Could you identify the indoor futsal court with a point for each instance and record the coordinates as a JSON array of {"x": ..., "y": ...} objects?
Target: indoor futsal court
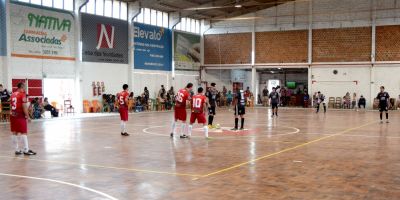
[{"x": 199, "y": 99}]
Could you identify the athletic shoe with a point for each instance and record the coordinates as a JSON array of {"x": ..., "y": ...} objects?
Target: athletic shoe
[
  {"x": 183, "y": 136},
  {"x": 125, "y": 134},
  {"x": 208, "y": 138},
  {"x": 17, "y": 153},
  {"x": 234, "y": 129},
  {"x": 210, "y": 126},
  {"x": 172, "y": 135},
  {"x": 30, "y": 153},
  {"x": 241, "y": 129}
]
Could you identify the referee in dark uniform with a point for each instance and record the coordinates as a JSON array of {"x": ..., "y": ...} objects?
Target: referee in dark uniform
[
  {"x": 384, "y": 103},
  {"x": 212, "y": 99},
  {"x": 240, "y": 109}
]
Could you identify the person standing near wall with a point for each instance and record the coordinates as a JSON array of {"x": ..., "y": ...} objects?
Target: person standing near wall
[
  {"x": 19, "y": 120},
  {"x": 212, "y": 99},
  {"x": 123, "y": 99},
  {"x": 383, "y": 98},
  {"x": 274, "y": 98},
  {"x": 4, "y": 94},
  {"x": 265, "y": 96},
  {"x": 320, "y": 99}
]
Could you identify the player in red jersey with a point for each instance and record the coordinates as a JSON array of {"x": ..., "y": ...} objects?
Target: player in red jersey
[
  {"x": 199, "y": 106},
  {"x": 122, "y": 98},
  {"x": 19, "y": 120},
  {"x": 181, "y": 99}
]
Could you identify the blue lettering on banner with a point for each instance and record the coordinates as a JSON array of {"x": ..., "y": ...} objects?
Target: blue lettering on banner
[
  {"x": 153, "y": 47},
  {"x": 3, "y": 32}
]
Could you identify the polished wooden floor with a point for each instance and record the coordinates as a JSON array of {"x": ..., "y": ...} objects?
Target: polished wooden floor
[{"x": 300, "y": 155}]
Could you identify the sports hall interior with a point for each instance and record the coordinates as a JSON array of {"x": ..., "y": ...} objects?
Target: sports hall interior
[{"x": 75, "y": 55}]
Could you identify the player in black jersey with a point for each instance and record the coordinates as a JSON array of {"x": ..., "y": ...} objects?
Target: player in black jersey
[
  {"x": 384, "y": 103},
  {"x": 274, "y": 96},
  {"x": 212, "y": 99},
  {"x": 240, "y": 109}
]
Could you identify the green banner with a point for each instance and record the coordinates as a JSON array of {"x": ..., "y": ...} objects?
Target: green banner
[{"x": 186, "y": 51}]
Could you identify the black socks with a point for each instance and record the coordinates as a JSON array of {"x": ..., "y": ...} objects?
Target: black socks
[
  {"x": 236, "y": 122},
  {"x": 380, "y": 115},
  {"x": 210, "y": 119},
  {"x": 387, "y": 116},
  {"x": 242, "y": 125}
]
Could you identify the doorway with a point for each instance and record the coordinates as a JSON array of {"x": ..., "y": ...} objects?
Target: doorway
[{"x": 59, "y": 90}]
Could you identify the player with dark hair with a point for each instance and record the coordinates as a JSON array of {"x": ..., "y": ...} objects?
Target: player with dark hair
[
  {"x": 274, "y": 98},
  {"x": 320, "y": 99},
  {"x": 181, "y": 99},
  {"x": 240, "y": 109},
  {"x": 123, "y": 99},
  {"x": 199, "y": 105},
  {"x": 18, "y": 120},
  {"x": 384, "y": 103},
  {"x": 212, "y": 99}
]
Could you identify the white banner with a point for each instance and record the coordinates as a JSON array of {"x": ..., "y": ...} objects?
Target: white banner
[{"x": 41, "y": 33}]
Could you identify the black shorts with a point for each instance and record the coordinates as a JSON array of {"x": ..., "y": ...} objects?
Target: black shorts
[
  {"x": 240, "y": 110},
  {"x": 383, "y": 107},
  {"x": 274, "y": 105},
  {"x": 211, "y": 110}
]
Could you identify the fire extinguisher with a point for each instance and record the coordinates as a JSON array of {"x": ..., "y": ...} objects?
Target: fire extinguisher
[
  {"x": 94, "y": 88},
  {"x": 98, "y": 89},
  {"x": 103, "y": 88}
]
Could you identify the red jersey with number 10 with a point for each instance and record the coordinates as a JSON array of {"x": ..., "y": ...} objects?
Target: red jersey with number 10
[
  {"x": 17, "y": 101},
  {"x": 198, "y": 103},
  {"x": 181, "y": 97},
  {"x": 122, "y": 99}
]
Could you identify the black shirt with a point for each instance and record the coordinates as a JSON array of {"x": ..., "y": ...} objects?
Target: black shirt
[
  {"x": 212, "y": 96},
  {"x": 383, "y": 98},
  {"x": 241, "y": 99},
  {"x": 274, "y": 96},
  {"x": 265, "y": 92},
  {"x": 4, "y": 95}
]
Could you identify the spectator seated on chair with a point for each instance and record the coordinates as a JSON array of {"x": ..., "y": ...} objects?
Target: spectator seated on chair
[
  {"x": 36, "y": 109},
  {"x": 48, "y": 107},
  {"x": 139, "y": 105},
  {"x": 361, "y": 102},
  {"x": 106, "y": 105}
]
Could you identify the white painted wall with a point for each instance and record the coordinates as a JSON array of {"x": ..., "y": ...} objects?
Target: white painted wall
[
  {"x": 225, "y": 77},
  {"x": 2, "y": 66},
  {"x": 113, "y": 76},
  {"x": 39, "y": 68}
]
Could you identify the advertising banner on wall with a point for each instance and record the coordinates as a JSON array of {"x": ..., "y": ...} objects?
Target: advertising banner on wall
[
  {"x": 41, "y": 32},
  {"x": 186, "y": 51},
  {"x": 152, "y": 47},
  {"x": 3, "y": 31},
  {"x": 104, "y": 39}
]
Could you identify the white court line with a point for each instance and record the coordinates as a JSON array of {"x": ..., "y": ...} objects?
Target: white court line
[{"x": 62, "y": 182}]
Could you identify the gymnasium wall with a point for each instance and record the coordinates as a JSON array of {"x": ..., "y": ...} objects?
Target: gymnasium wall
[
  {"x": 341, "y": 45},
  {"x": 227, "y": 48},
  {"x": 388, "y": 43},
  {"x": 281, "y": 47}
]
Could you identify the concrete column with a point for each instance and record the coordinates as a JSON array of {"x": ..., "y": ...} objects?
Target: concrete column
[
  {"x": 78, "y": 55},
  {"x": 253, "y": 60},
  {"x": 310, "y": 27},
  {"x": 133, "y": 11}
]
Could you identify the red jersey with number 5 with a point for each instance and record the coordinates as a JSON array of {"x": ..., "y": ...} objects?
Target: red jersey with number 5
[
  {"x": 198, "y": 103},
  {"x": 123, "y": 99},
  {"x": 17, "y": 101},
  {"x": 181, "y": 97}
]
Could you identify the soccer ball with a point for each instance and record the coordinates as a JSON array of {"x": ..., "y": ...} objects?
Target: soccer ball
[{"x": 217, "y": 126}]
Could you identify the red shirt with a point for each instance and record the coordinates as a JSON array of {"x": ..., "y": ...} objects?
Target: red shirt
[
  {"x": 181, "y": 97},
  {"x": 198, "y": 102},
  {"x": 17, "y": 101},
  {"x": 123, "y": 99}
]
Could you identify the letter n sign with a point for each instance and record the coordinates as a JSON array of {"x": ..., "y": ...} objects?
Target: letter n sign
[{"x": 105, "y": 36}]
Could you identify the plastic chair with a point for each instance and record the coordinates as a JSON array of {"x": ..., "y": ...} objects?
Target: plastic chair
[
  {"x": 86, "y": 106},
  {"x": 96, "y": 106}
]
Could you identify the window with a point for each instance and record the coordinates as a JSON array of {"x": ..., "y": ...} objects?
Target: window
[
  {"x": 59, "y": 4},
  {"x": 124, "y": 11},
  {"x": 189, "y": 25},
  {"x": 99, "y": 7},
  {"x": 153, "y": 17},
  {"x": 116, "y": 9},
  {"x": 90, "y": 7},
  {"x": 108, "y": 8}
]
